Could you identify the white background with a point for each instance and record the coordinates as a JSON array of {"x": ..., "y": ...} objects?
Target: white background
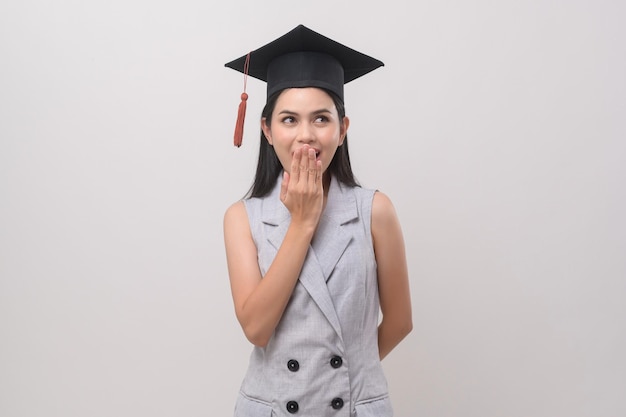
[{"x": 497, "y": 128}]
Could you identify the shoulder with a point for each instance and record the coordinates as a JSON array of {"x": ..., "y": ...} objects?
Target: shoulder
[
  {"x": 383, "y": 210},
  {"x": 385, "y": 223},
  {"x": 236, "y": 207},
  {"x": 235, "y": 214}
]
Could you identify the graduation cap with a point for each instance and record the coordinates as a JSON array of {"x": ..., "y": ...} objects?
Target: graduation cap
[{"x": 301, "y": 58}]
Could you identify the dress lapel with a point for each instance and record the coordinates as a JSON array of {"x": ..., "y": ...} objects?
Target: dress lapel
[
  {"x": 329, "y": 243},
  {"x": 331, "y": 237}
]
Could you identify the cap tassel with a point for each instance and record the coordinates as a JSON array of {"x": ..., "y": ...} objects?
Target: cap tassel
[
  {"x": 241, "y": 117},
  {"x": 241, "y": 113}
]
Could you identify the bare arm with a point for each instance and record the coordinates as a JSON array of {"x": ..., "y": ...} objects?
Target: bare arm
[
  {"x": 393, "y": 280},
  {"x": 260, "y": 301}
]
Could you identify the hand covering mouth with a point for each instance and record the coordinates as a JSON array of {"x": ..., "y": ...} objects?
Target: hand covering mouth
[{"x": 317, "y": 152}]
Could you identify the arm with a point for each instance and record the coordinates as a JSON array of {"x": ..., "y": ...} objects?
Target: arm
[
  {"x": 393, "y": 280},
  {"x": 260, "y": 301}
]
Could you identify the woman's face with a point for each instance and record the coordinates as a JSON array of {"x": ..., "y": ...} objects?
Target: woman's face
[{"x": 305, "y": 116}]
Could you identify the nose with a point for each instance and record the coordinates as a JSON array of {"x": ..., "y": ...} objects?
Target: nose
[{"x": 306, "y": 134}]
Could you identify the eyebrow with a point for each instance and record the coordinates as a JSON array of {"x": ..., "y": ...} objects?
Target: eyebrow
[{"x": 320, "y": 111}]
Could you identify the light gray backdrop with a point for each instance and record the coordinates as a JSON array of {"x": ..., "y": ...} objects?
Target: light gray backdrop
[{"x": 496, "y": 127}]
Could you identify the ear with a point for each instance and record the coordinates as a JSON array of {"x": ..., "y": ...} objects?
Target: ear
[
  {"x": 343, "y": 131},
  {"x": 266, "y": 131}
]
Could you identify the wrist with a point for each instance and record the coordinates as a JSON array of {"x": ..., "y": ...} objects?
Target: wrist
[{"x": 303, "y": 229}]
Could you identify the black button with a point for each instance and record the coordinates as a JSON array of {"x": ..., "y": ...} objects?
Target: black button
[
  {"x": 336, "y": 362},
  {"x": 336, "y": 403},
  {"x": 293, "y": 365},
  {"x": 292, "y": 407}
]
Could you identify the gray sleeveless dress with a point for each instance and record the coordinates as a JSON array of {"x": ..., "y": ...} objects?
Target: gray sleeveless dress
[{"x": 323, "y": 357}]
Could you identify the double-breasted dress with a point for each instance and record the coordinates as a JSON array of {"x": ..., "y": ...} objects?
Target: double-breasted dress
[{"x": 322, "y": 359}]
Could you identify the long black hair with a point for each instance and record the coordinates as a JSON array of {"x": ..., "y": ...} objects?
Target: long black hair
[{"x": 268, "y": 166}]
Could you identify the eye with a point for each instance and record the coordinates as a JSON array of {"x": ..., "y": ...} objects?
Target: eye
[
  {"x": 288, "y": 120},
  {"x": 321, "y": 119}
]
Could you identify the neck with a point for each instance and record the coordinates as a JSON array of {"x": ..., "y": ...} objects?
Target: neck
[
  {"x": 326, "y": 185},
  {"x": 326, "y": 182}
]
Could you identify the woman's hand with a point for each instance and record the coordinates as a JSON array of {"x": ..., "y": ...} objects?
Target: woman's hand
[{"x": 302, "y": 191}]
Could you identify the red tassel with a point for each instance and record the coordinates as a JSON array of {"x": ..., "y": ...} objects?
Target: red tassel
[
  {"x": 241, "y": 117},
  {"x": 241, "y": 114}
]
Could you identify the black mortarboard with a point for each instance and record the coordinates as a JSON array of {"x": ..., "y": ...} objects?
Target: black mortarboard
[{"x": 301, "y": 58}]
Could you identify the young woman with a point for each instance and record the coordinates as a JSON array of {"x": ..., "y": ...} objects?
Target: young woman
[{"x": 313, "y": 258}]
